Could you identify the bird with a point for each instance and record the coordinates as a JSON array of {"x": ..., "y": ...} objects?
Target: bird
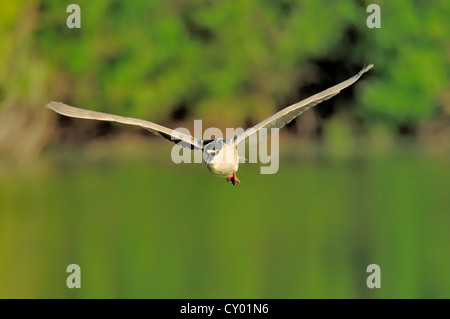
[{"x": 220, "y": 155}]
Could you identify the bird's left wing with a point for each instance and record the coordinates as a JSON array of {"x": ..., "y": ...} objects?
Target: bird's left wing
[
  {"x": 169, "y": 134},
  {"x": 286, "y": 115}
]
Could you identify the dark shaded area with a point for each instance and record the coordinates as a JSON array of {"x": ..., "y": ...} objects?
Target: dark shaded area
[
  {"x": 195, "y": 30},
  {"x": 407, "y": 129},
  {"x": 283, "y": 7},
  {"x": 78, "y": 131},
  {"x": 178, "y": 141},
  {"x": 104, "y": 128},
  {"x": 330, "y": 69},
  {"x": 180, "y": 111}
]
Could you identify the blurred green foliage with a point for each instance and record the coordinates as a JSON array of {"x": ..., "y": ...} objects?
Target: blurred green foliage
[
  {"x": 239, "y": 59},
  {"x": 411, "y": 52}
]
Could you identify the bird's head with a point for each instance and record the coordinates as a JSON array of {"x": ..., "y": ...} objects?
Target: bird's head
[{"x": 212, "y": 150}]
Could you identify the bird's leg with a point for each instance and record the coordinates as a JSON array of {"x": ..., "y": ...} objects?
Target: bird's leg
[{"x": 233, "y": 178}]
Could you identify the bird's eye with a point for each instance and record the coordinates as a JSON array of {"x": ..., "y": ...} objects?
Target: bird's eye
[{"x": 217, "y": 152}]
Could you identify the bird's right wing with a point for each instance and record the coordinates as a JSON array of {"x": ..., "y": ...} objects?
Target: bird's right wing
[{"x": 169, "y": 134}]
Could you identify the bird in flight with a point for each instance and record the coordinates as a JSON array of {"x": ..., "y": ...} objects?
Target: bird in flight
[{"x": 220, "y": 155}]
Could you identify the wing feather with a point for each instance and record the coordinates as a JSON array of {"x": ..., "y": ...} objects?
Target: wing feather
[
  {"x": 286, "y": 115},
  {"x": 169, "y": 134}
]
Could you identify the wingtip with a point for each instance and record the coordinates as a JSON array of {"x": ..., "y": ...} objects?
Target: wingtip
[
  {"x": 51, "y": 105},
  {"x": 367, "y": 68},
  {"x": 55, "y": 106}
]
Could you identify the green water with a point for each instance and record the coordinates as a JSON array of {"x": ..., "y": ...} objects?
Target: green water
[{"x": 143, "y": 227}]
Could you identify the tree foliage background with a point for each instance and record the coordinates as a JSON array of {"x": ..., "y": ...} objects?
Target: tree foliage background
[{"x": 222, "y": 61}]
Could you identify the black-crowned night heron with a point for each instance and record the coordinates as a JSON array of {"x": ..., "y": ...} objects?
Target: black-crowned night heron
[{"x": 220, "y": 155}]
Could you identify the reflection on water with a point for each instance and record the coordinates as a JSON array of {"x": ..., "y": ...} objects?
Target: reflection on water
[{"x": 140, "y": 226}]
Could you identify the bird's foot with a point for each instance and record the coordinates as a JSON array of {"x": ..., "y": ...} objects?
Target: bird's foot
[{"x": 233, "y": 178}]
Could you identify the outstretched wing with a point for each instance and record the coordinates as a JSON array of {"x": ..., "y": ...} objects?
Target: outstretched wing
[
  {"x": 169, "y": 134},
  {"x": 286, "y": 115}
]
